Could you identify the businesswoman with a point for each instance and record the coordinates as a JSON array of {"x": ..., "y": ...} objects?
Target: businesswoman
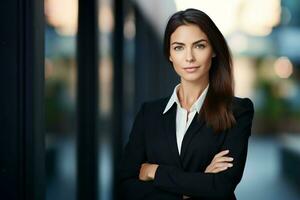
[{"x": 192, "y": 144}]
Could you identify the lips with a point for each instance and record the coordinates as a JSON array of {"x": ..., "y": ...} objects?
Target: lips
[{"x": 191, "y": 69}]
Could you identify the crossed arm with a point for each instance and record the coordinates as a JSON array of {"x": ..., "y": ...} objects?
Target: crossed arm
[
  {"x": 210, "y": 183},
  {"x": 219, "y": 163}
]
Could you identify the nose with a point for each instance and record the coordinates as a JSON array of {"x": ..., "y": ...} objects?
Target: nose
[{"x": 189, "y": 56}]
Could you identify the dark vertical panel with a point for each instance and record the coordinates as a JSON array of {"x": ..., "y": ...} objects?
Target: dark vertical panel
[
  {"x": 87, "y": 99},
  {"x": 117, "y": 90},
  {"x": 21, "y": 102},
  {"x": 33, "y": 92},
  {"x": 9, "y": 104}
]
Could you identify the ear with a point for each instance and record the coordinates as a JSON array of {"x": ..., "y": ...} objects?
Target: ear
[
  {"x": 170, "y": 59},
  {"x": 213, "y": 55}
]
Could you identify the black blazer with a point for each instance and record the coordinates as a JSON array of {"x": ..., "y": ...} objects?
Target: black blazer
[{"x": 153, "y": 140}]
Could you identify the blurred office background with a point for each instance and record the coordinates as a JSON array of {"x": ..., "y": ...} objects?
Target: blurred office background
[{"x": 264, "y": 37}]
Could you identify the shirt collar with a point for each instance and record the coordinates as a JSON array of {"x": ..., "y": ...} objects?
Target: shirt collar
[{"x": 196, "y": 106}]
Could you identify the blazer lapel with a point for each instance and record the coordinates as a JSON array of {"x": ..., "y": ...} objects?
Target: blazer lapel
[
  {"x": 170, "y": 131},
  {"x": 193, "y": 129}
]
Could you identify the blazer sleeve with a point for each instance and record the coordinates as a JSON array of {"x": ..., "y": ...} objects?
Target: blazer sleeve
[
  {"x": 134, "y": 155},
  {"x": 132, "y": 158},
  {"x": 213, "y": 185},
  {"x": 134, "y": 152}
]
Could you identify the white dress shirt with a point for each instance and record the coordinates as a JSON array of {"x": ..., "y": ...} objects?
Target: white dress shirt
[{"x": 183, "y": 118}]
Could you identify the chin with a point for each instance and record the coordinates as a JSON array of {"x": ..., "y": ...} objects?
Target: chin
[{"x": 191, "y": 79}]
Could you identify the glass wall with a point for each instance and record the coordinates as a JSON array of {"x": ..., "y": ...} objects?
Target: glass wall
[{"x": 60, "y": 98}]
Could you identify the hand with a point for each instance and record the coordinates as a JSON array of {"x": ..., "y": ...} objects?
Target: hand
[
  {"x": 147, "y": 171},
  {"x": 219, "y": 163}
]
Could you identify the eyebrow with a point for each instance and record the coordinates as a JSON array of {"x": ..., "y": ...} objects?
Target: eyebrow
[{"x": 180, "y": 43}]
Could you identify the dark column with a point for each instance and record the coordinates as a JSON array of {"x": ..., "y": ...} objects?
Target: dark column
[
  {"x": 22, "y": 149},
  {"x": 117, "y": 91},
  {"x": 87, "y": 99}
]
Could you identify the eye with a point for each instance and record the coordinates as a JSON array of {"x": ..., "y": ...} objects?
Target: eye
[
  {"x": 178, "y": 48},
  {"x": 200, "y": 46}
]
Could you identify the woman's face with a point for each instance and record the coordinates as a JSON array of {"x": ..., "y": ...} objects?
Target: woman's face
[{"x": 191, "y": 53}]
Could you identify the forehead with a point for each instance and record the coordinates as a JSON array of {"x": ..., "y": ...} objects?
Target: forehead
[{"x": 187, "y": 34}]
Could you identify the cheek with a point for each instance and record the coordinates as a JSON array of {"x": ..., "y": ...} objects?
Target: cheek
[
  {"x": 205, "y": 59},
  {"x": 177, "y": 65},
  {"x": 177, "y": 68},
  {"x": 177, "y": 58},
  {"x": 208, "y": 62}
]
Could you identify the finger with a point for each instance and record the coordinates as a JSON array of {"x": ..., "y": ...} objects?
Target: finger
[
  {"x": 209, "y": 168},
  {"x": 222, "y": 153},
  {"x": 219, "y": 165},
  {"x": 222, "y": 167},
  {"x": 223, "y": 159},
  {"x": 224, "y": 164},
  {"x": 217, "y": 170}
]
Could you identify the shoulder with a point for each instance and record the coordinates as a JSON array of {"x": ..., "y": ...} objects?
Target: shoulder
[
  {"x": 155, "y": 106},
  {"x": 241, "y": 106}
]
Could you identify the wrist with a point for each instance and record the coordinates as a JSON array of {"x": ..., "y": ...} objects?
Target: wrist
[{"x": 152, "y": 171}]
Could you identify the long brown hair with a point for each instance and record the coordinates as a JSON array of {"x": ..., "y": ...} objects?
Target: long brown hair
[{"x": 216, "y": 109}]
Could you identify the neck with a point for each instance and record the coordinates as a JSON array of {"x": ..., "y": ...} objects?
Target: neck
[{"x": 189, "y": 92}]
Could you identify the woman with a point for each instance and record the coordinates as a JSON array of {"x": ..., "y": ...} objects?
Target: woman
[{"x": 193, "y": 144}]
